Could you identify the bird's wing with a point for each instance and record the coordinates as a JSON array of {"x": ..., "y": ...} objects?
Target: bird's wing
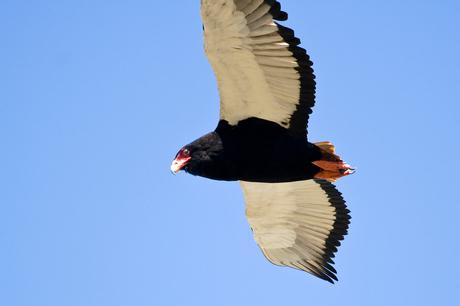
[
  {"x": 260, "y": 70},
  {"x": 297, "y": 224}
]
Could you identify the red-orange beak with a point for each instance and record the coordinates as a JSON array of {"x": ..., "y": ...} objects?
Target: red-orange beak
[{"x": 179, "y": 163}]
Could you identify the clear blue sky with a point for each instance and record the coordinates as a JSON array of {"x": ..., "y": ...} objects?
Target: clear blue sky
[{"x": 97, "y": 97}]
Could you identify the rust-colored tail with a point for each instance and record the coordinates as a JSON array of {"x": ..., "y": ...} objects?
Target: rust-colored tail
[{"x": 333, "y": 167}]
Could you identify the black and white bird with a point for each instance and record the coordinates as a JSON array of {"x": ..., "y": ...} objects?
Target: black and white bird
[{"x": 267, "y": 90}]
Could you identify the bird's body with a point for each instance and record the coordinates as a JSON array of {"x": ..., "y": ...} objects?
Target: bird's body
[
  {"x": 266, "y": 87},
  {"x": 255, "y": 151}
]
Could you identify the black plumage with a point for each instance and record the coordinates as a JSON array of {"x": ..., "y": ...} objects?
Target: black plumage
[{"x": 255, "y": 150}]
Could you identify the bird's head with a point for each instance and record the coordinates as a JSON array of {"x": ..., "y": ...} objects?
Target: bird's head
[
  {"x": 181, "y": 160},
  {"x": 199, "y": 157}
]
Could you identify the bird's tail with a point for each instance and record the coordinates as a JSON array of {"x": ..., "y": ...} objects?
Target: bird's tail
[{"x": 332, "y": 166}]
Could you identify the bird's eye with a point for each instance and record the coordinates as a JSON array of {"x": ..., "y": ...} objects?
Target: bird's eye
[{"x": 186, "y": 152}]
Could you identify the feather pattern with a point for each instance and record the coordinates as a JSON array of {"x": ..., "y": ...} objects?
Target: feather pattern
[
  {"x": 297, "y": 224},
  {"x": 260, "y": 70}
]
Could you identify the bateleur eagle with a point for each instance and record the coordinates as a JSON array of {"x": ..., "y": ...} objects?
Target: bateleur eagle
[{"x": 267, "y": 89}]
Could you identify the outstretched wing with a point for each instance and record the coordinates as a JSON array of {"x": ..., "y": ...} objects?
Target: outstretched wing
[
  {"x": 297, "y": 224},
  {"x": 260, "y": 70}
]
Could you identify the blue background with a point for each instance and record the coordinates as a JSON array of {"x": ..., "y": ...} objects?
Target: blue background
[{"x": 97, "y": 97}]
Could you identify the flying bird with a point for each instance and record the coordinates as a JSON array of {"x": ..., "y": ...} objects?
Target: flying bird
[{"x": 267, "y": 91}]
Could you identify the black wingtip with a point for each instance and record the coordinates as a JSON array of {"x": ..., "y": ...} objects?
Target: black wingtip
[{"x": 276, "y": 11}]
